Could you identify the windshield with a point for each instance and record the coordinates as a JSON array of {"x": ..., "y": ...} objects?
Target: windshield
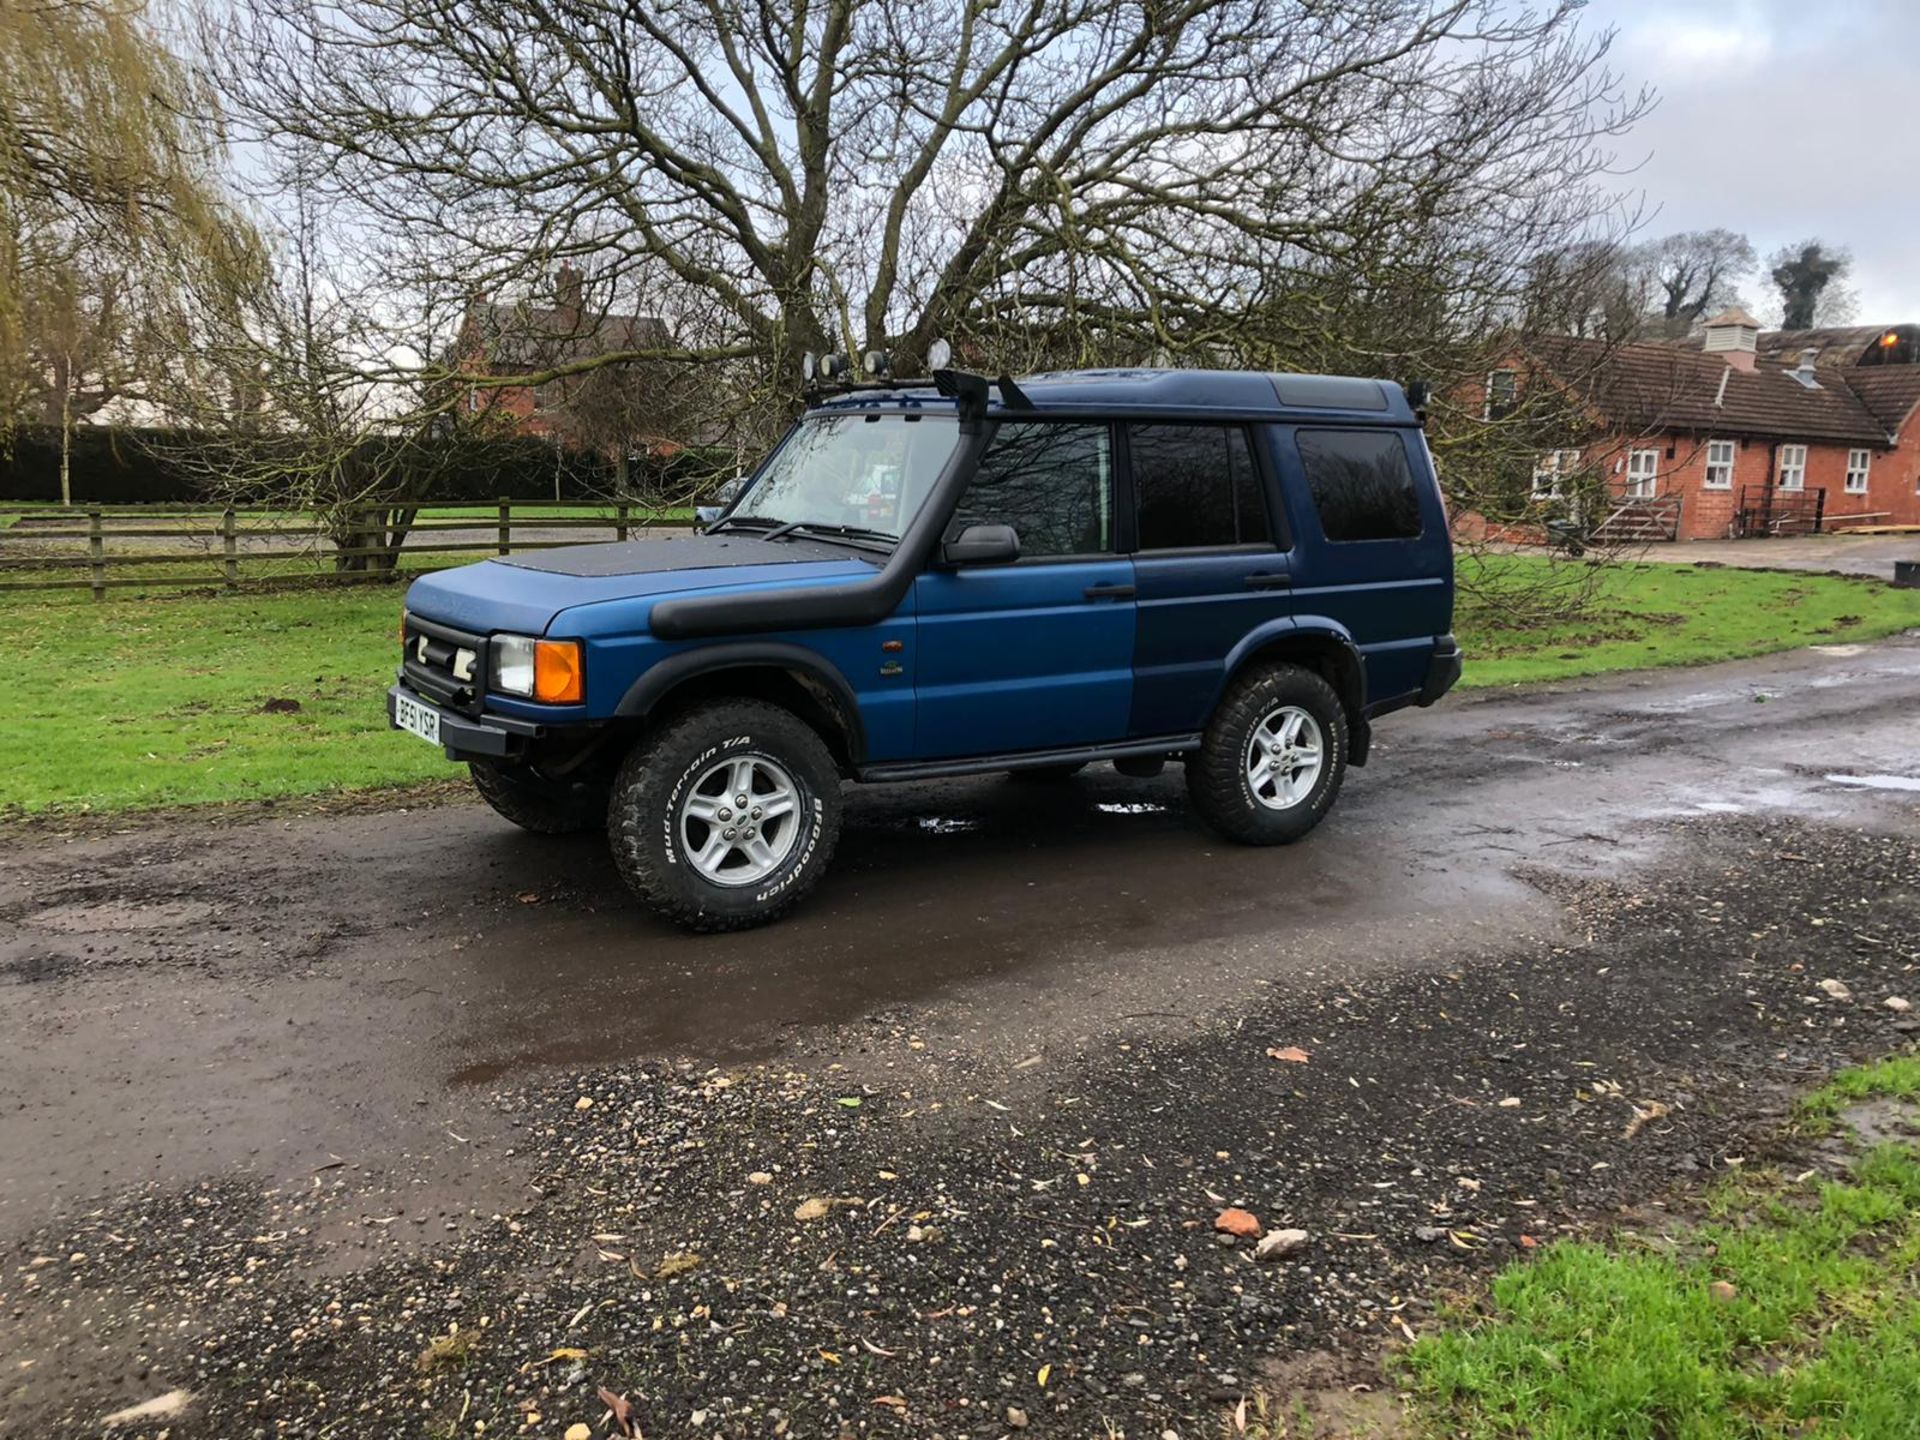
[{"x": 858, "y": 472}]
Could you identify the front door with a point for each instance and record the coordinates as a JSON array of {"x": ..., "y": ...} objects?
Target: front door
[
  {"x": 1208, "y": 569},
  {"x": 1038, "y": 654}
]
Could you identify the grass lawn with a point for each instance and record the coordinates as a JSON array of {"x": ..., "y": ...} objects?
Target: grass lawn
[
  {"x": 1651, "y": 615},
  {"x": 162, "y": 701},
  {"x": 1790, "y": 1309}
]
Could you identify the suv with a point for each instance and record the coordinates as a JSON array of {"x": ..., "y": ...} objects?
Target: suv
[{"x": 1234, "y": 570}]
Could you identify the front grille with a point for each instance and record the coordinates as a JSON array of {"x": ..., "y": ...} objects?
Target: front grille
[{"x": 447, "y": 666}]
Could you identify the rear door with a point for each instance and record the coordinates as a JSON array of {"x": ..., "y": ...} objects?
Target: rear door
[
  {"x": 1036, "y": 655},
  {"x": 1210, "y": 563},
  {"x": 1372, "y": 554}
]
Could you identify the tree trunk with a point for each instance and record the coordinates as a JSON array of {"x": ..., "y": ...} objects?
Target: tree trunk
[{"x": 66, "y": 436}]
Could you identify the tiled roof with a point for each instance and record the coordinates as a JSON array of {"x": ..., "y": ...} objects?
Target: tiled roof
[
  {"x": 531, "y": 337},
  {"x": 1888, "y": 391},
  {"x": 1649, "y": 388},
  {"x": 1837, "y": 344}
]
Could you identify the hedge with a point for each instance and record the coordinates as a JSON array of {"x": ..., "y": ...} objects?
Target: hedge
[{"x": 128, "y": 466}]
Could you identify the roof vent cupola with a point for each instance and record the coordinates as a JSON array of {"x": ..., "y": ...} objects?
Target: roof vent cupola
[{"x": 1735, "y": 335}]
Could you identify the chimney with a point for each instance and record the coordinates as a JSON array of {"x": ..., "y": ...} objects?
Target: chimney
[
  {"x": 1734, "y": 335},
  {"x": 566, "y": 294}
]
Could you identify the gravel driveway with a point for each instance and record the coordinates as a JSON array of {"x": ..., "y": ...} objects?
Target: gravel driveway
[{"x": 403, "y": 1122}]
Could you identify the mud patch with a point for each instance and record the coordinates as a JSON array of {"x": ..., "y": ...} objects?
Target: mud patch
[{"x": 121, "y": 916}]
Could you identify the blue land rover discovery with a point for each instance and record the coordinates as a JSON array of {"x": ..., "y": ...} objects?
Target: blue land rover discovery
[{"x": 1237, "y": 571}]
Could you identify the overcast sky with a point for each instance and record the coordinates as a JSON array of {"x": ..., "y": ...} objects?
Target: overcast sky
[{"x": 1782, "y": 119}]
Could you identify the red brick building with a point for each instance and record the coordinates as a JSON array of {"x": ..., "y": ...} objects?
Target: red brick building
[
  {"x": 1734, "y": 433},
  {"x": 603, "y": 408}
]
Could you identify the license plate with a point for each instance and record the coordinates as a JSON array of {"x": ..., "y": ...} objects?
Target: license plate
[{"x": 417, "y": 719}]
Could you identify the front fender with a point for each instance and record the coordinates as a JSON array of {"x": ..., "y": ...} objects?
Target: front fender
[{"x": 659, "y": 679}]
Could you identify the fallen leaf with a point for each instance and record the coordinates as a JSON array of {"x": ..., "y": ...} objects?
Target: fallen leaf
[
  {"x": 1291, "y": 1054},
  {"x": 852, "y": 1102},
  {"x": 1722, "y": 1290},
  {"x": 814, "y": 1209},
  {"x": 1643, "y": 1116},
  {"x": 1240, "y": 1417},
  {"x": 873, "y": 1349},
  {"x": 622, "y": 1410},
  {"x": 1237, "y": 1222},
  {"x": 565, "y": 1352},
  {"x": 1041, "y": 1375},
  {"x": 759, "y": 1177},
  {"x": 527, "y": 897},
  {"x": 893, "y": 1401},
  {"x": 829, "y": 1357},
  {"x": 678, "y": 1263}
]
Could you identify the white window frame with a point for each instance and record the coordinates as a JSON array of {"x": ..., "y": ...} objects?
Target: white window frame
[
  {"x": 1551, "y": 470},
  {"x": 1643, "y": 474},
  {"x": 1793, "y": 468},
  {"x": 1513, "y": 397},
  {"x": 1859, "y": 466},
  {"x": 1715, "y": 449}
]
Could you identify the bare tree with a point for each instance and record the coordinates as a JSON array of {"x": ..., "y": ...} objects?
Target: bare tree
[
  {"x": 1073, "y": 176},
  {"x": 1694, "y": 275}
]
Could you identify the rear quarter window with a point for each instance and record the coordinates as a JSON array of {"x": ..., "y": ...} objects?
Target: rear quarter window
[{"x": 1361, "y": 483}]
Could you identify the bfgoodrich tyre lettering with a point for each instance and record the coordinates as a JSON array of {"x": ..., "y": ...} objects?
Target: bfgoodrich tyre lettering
[{"x": 727, "y": 816}]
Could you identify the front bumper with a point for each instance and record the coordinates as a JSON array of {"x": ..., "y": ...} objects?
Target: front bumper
[
  {"x": 464, "y": 737},
  {"x": 1443, "y": 670}
]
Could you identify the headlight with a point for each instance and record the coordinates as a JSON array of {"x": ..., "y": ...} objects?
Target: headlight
[{"x": 545, "y": 670}]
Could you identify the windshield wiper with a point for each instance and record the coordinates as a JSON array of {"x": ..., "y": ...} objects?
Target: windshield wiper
[
  {"x": 858, "y": 534},
  {"x": 747, "y": 522}
]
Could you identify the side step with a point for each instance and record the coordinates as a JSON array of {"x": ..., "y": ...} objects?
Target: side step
[{"x": 1027, "y": 759}]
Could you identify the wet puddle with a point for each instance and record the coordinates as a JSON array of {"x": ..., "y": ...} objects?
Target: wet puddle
[{"x": 1878, "y": 782}]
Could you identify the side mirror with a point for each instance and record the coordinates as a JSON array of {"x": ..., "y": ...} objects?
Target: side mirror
[
  {"x": 982, "y": 545},
  {"x": 707, "y": 514}
]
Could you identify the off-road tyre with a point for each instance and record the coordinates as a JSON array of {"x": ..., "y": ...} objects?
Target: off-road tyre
[
  {"x": 534, "y": 802},
  {"x": 644, "y": 821},
  {"x": 1217, "y": 778},
  {"x": 1045, "y": 774}
]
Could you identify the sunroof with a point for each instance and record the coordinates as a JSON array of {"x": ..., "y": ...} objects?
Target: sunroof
[{"x": 1329, "y": 392}]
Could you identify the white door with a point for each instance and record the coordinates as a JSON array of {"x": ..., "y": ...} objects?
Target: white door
[{"x": 1643, "y": 474}]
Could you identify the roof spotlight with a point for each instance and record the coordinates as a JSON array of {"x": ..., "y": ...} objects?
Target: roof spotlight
[
  {"x": 877, "y": 362},
  {"x": 939, "y": 355},
  {"x": 832, "y": 366},
  {"x": 810, "y": 366}
]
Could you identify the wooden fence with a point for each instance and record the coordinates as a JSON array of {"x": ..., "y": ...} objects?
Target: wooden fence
[{"x": 44, "y": 542}]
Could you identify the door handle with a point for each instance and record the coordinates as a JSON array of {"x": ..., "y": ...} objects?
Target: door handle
[
  {"x": 1271, "y": 580},
  {"x": 1109, "y": 592}
]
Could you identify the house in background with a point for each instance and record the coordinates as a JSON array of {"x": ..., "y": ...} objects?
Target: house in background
[
  {"x": 604, "y": 409},
  {"x": 1734, "y": 433}
]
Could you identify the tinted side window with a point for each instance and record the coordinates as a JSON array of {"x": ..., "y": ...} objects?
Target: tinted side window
[
  {"x": 1052, "y": 483},
  {"x": 1361, "y": 484},
  {"x": 1196, "y": 485}
]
